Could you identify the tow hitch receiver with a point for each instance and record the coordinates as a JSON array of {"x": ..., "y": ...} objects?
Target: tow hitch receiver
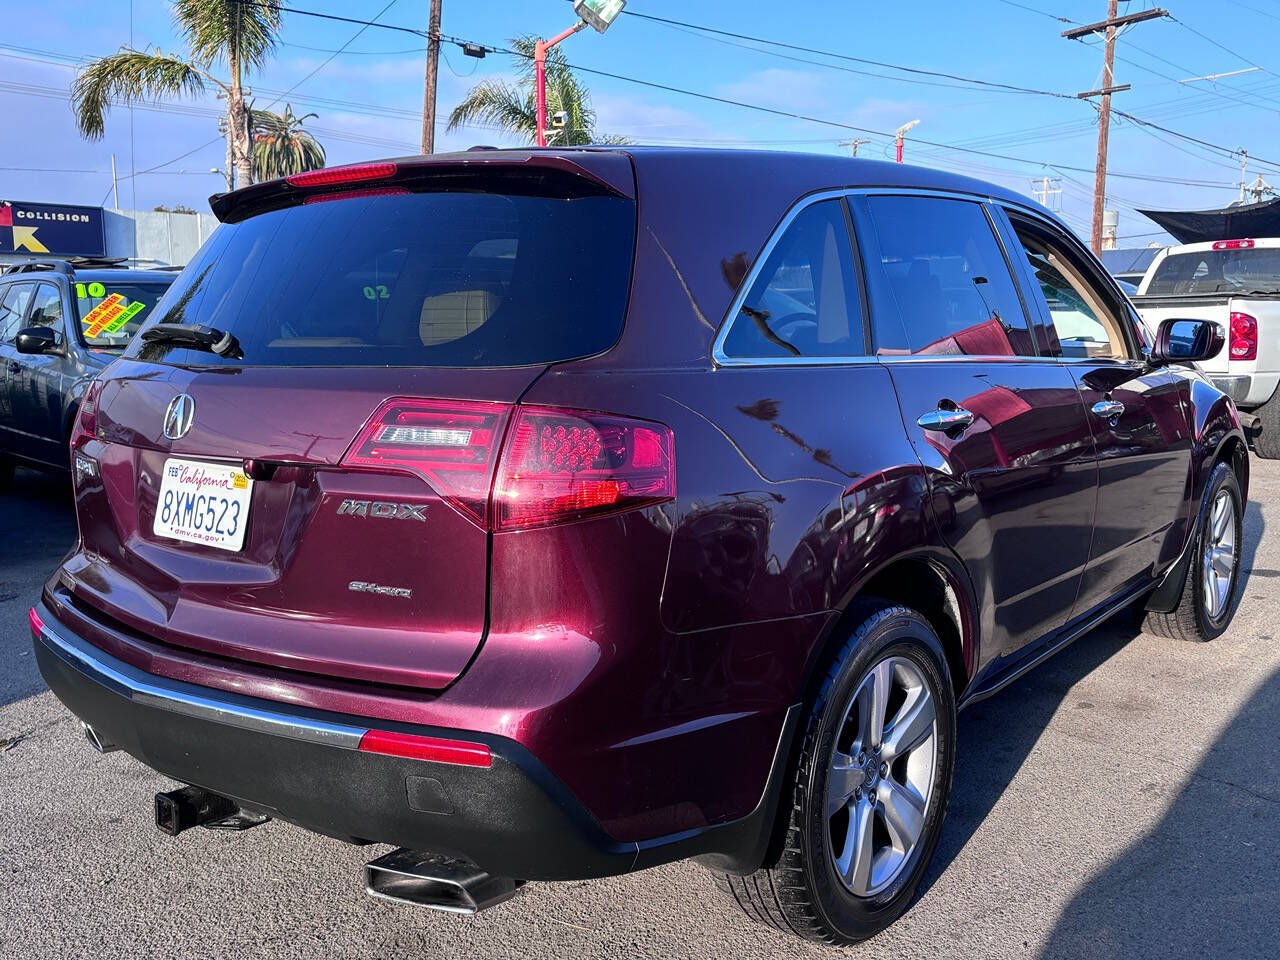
[
  {"x": 441, "y": 883},
  {"x": 189, "y": 807}
]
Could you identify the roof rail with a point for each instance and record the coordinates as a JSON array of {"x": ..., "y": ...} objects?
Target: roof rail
[
  {"x": 32, "y": 266},
  {"x": 97, "y": 263}
]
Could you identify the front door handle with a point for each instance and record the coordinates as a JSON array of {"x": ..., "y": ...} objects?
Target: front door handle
[
  {"x": 945, "y": 421},
  {"x": 1108, "y": 409}
]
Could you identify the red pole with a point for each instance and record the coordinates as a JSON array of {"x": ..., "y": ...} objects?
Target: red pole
[
  {"x": 540, "y": 86},
  {"x": 899, "y": 144}
]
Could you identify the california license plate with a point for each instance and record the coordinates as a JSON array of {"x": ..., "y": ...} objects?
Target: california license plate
[{"x": 204, "y": 503}]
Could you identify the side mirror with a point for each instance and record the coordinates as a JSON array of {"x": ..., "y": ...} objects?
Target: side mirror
[
  {"x": 1187, "y": 341},
  {"x": 36, "y": 340}
]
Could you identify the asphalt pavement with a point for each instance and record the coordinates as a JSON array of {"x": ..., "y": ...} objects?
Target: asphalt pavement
[{"x": 1121, "y": 801}]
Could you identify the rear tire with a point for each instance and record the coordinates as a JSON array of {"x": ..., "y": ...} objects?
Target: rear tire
[
  {"x": 850, "y": 865},
  {"x": 1206, "y": 606},
  {"x": 1267, "y": 443}
]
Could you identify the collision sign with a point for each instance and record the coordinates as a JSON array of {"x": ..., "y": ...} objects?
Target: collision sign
[{"x": 51, "y": 228}]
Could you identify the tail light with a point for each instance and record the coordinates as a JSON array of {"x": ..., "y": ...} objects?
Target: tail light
[
  {"x": 555, "y": 465},
  {"x": 1244, "y": 337},
  {"x": 562, "y": 465},
  {"x": 86, "y": 423},
  {"x": 450, "y": 444}
]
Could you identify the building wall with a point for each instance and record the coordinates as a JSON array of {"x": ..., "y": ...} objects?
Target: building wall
[{"x": 171, "y": 239}]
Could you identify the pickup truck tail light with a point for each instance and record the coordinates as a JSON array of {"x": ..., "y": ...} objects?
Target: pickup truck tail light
[
  {"x": 1233, "y": 245},
  {"x": 506, "y": 467},
  {"x": 1244, "y": 337}
]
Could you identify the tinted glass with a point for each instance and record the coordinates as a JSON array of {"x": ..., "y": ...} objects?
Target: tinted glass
[
  {"x": 111, "y": 311},
  {"x": 417, "y": 279},
  {"x": 1218, "y": 271},
  {"x": 13, "y": 308},
  {"x": 46, "y": 311},
  {"x": 945, "y": 281},
  {"x": 804, "y": 303}
]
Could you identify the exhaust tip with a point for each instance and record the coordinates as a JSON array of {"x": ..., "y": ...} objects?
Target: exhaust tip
[
  {"x": 437, "y": 882},
  {"x": 97, "y": 741}
]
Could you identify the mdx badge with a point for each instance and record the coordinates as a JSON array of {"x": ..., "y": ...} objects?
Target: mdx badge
[{"x": 383, "y": 510}]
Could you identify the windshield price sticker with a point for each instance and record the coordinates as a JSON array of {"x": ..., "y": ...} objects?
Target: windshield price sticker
[{"x": 110, "y": 316}]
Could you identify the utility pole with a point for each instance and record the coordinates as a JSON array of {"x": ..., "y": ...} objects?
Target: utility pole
[
  {"x": 1244, "y": 171},
  {"x": 1107, "y": 27},
  {"x": 429, "y": 86},
  {"x": 1044, "y": 192},
  {"x": 115, "y": 187},
  {"x": 854, "y": 144},
  {"x": 900, "y": 135}
]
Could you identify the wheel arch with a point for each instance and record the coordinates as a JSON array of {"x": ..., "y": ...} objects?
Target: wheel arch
[{"x": 929, "y": 581}]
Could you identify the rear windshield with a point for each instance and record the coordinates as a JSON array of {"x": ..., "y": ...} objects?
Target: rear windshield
[
  {"x": 1256, "y": 270},
  {"x": 444, "y": 279},
  {"x": 111, "y": 313}
]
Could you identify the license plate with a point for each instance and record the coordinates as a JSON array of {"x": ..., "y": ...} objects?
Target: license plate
[{"x": 204, "y": 503}]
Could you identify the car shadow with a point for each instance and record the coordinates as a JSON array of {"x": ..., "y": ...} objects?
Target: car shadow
[
  {"x": 37, "y": 528},
  {"x": 1204, "y": 881},
  {"x": 995, "y": 736}
]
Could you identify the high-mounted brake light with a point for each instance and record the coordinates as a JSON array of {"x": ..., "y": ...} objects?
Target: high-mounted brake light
[
  {"x": 333, "y": 176},
  {"x": 562, "y": 465},
  {"x": 1244, "y": 337},
  {"x": 459, "y": 752},
  {"x": 1233, "y": 245}
]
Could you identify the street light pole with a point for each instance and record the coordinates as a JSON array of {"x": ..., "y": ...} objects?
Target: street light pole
[
  {"x": 900, "y": 135},
  {"x": 593, "y": 13},
  {"x": 540, "y": 75}
]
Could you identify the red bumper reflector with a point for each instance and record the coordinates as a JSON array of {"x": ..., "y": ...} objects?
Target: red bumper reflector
[
  {"x": 37, "y": 625},
  {"x": 426, "y": 748}
]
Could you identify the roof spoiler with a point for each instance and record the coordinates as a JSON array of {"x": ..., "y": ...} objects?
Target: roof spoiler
[{"x": 582, "y": 173}]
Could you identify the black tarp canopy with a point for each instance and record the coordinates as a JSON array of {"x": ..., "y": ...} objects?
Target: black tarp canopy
[{"x": 1230, "y": 223}]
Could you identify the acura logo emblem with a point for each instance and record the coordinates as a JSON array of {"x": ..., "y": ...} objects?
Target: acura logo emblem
[{"x": 178, "y": 417}]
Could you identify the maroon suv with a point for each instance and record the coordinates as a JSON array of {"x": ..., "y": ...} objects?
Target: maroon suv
[{"x": 555, "y": 514}]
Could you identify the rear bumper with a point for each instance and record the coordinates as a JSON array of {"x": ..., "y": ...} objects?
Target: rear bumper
[
  {"x": 512, "y": 818},
  {"x": 1235, "y": 387}
]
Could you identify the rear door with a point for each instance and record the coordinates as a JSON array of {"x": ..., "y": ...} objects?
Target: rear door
[
  {"x": 37, "y": 388},
  {"x": 1137, "y": 415},
  {"x": 999, "y": 427},
  {"x": 15, "y": 299},
  {"x": 347, "y": 446}
]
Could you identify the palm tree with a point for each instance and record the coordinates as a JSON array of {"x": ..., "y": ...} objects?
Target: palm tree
[
  {"x": 281, "y": 146},
  {"x": 513, "y": 107},
  {"x": 235, "y": 34}
]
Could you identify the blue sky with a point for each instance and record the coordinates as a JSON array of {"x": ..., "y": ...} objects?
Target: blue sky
[{"x": 368, "y": 99}]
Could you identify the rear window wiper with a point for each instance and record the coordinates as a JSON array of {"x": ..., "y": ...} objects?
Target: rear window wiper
[{"x": 195, "y": 335}]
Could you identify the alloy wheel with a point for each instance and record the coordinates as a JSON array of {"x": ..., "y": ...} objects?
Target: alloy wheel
[
  {"x": 1219, "y": 561},
  {"x": 880, "y": 777}
]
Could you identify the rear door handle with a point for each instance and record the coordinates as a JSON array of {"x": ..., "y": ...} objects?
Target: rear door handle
[
  {"x": 944, "y": 421},
  {"x": 1108, "y": 409}
]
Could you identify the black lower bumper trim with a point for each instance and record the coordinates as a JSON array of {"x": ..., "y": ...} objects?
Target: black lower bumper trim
[{"x": 513, "y": 818}]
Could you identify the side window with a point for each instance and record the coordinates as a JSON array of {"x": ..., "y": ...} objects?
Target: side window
[
  {"x": 46, "y": 311},
  {"x": 1085, "y": 322},
  {"x": 804, "y": 301},
  {"x": 13, "y": 308},
  {"x": 941, "y": 283}
]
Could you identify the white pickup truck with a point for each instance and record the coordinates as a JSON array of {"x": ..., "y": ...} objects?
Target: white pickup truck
[{"x": 1236, "y": 283}]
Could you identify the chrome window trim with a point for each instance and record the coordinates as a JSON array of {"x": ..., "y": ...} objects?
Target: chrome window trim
[
  {"x": 188, "y": 699},
  {"x": 720, "y": 359}
]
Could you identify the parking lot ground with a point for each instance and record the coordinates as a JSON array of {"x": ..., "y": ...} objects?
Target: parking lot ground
[{"x": 1121, "y": 801}]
